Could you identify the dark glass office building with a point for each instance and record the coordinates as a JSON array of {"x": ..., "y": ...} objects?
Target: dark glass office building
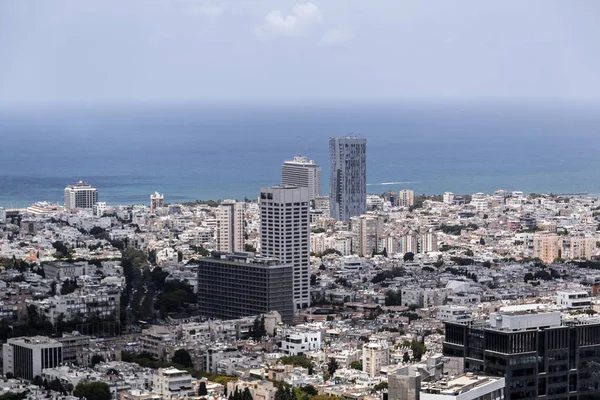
[
  {"x": 236, "y": 285},
  {"x": 539, "y": 357}
]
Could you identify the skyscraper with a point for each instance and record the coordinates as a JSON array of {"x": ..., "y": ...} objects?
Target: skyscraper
[
  {"x": 302, "y": 173},
  {"x": 348, "y": 194},
  {"x": 230, "y": 226},
  {"x": 285, "y": 234},
  {"x": 80, "y": 195}
]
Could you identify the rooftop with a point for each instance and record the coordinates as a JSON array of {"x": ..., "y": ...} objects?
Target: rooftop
[{"x": 458, "y": 385}]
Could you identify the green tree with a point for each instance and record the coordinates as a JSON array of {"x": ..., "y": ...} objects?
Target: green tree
[
  {"x": 381, "y": 386},
  {"x": 38, "y": 381},
  {"x": 258, "y": 330},
  {"x": 356, "y": 365},
  {"x": 183, "y": 358},
  {"x": 93, "y": 391},
  {"x": 332, "y": 366},
  {"x": 406, "y": 357},
  {"x": 409, "y": 256},
  {"x": 96, "y": 359},
  {"x": 202, "y": 389}
]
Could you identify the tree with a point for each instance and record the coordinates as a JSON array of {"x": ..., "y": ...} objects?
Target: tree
[
  {"x": 332, "y": 366},
  {"x": 356, "y": 365},
  {"x": 202, "y": 389},
  {"x": 183, "y": 358},
  {"x": 406, "y": 357},
  {"x": 482, "y": 241},
  {"x": 313, "y": 280},
  {"x": 249, "y": 248},
  {"x": 258, "y": 330},
  {"x": 179, "y": 256},
  {"x": 246, "y": 395},
  {"x": 68, "y": 286},
  {"x": 409, "y": 256},
  {"x": 93, "y": 391},
  {"x": 97, "y": 359},
  {"x": 381, "y": 386},
  {"x": 38, "y": 381},
  {"x": 384, "y": 252}
]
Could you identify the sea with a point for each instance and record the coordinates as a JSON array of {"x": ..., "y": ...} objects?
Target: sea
[{"x": 208, "y": 151}]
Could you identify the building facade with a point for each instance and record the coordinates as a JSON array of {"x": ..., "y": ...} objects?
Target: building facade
[
  {"x": 375, "y": 356},
  {"x": 299, "y": 343},
  {"x": 171, "y": 383},
  {"x": 26, "y": 357},
  {"x": 348, "y": 177},
  {"x": 539, "y": 354},
  {"x": 80, "y": 195},
  {"x": 231, "y": 286},
  {"x": 367, "y": 230},
  {"x": 230, "y": 226},
  {"x": 157, "y": 200},
  {"x": 285, "y": 234},
  {"x": 406, "y": 198},
  {"x": 302, "y": 173}
]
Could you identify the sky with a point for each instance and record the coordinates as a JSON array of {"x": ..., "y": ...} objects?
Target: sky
[{"x": 280, "y": 50}]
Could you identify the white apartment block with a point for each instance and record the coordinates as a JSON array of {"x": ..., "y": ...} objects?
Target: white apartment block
[
  {"x": 406, "y": 198},
  {"x": 105, "y": 305},
  {"x": 230, "y": 226},
  {"x": 2, "y": 214},
  {"x": 448, "y": 198},
  {"x": 285, "y": 234},
  {"x": 80, "y": 195},
  {"x": 302, "y": 173},
  {"x": 374, "y": 356},
  {"x": 99, "y": 209},
  {"x": 573, "y": 300},
  {"x": 367, "y": 229},
  {"x": 450, "y": 313},
  {"x": 171, "y": 383},
  {"x": 26, "y": 357},
  {"x": 157, "y": 200},
  {"x": 299, "y": 343}
]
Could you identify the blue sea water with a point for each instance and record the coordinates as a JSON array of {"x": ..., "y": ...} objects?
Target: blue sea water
[{"x": 199, "y": 151}]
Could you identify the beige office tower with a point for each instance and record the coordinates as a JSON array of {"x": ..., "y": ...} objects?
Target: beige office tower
[
  {"x": 285, "y": 234},
  {"x": 230, "y": 226},
  {"x": 302, "y": 173},
  {"x": 406, "y": 198},
  {"x": 367, "y": 229}
]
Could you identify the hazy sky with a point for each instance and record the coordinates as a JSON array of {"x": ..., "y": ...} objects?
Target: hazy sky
[{"x": 171, "y": 50}]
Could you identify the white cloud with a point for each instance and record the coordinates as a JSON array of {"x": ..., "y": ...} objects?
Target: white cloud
[
  {"x": 298, "y": 23},
  {"x": 336, "y": 36}
]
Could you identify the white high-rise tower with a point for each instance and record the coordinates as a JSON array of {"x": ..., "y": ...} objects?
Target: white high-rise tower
[
  {"x": 285, "y": 234},
  {"x": 302, "y": 173},
  {"x": 80, "y": 195}
]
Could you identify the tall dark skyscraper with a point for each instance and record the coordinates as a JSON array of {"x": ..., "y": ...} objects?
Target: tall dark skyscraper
[{"x": 348, "y": 179}]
